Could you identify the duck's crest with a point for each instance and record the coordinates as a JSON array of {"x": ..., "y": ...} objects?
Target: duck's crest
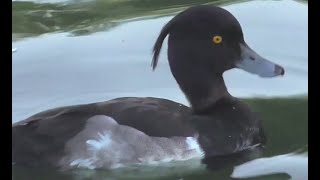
[{"x": 157, "y": 46}]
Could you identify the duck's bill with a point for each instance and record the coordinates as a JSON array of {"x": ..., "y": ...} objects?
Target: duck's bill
[{"x": 253, "y": 63}]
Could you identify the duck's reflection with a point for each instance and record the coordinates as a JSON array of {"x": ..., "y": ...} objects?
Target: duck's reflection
[{"x": 216, "y": 163}]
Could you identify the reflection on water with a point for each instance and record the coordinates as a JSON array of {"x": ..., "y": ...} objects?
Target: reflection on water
[
  {"x": 72, "y": 53},
  {"x": 295, "y": 165},
  {"x": 82, "y": 17}
]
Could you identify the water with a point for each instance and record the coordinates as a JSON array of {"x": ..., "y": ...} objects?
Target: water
[{"x": 73, "y": 52}]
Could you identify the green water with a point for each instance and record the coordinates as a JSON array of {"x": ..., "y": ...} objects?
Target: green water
[
  {"x": 68, "y": 53},
  {"x": 30, "y": 18}
]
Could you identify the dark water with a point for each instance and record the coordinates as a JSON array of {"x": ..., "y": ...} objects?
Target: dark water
[{"x": 72, "y": 52}]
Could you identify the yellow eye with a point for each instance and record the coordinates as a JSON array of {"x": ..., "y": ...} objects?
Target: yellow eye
[{"x": 217, "y": 39}]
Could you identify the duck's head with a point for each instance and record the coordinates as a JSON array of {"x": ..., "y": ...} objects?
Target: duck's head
[{"x": 205, "y": 41}]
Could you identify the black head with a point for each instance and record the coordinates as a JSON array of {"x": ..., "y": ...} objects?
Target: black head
[
  {"x": 205, "y": 41},
  {"x": 203, "y": 36}
]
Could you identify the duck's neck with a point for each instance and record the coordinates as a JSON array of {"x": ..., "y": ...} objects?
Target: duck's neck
[{"x": 205, "y": 93}]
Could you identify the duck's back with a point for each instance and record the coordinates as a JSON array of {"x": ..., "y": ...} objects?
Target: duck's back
[{"x": 42, "y": 139}]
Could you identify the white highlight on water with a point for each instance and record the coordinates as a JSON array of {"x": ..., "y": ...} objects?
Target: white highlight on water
[{"x": 295, "y": 165}]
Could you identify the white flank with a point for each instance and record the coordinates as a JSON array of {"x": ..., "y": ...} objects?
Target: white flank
[
  {"x": 194, "y": 145},
  {"x": 103, "y": 140}
]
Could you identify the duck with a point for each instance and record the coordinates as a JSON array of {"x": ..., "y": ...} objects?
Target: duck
[{"x": 204, "y": 41}]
